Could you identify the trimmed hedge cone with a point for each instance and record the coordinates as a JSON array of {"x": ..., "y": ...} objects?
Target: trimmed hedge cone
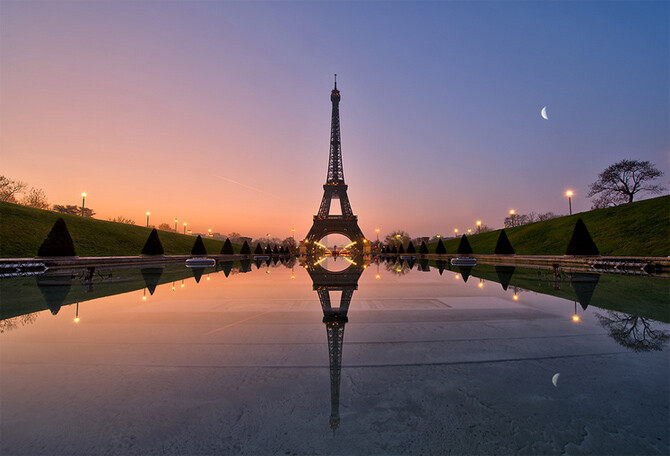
[
  {"x": 464, "y": 246},
  {"x": 227, "y": 248},
  {"x": 58, "y": 242},
  {"x": 245, "y": 250},
  {"x": 581, "y": 242},
  {"x": 440, "y": 249},
  {"x": 153, "y": 245},
  {"x": 503, "y": 246},
  {"x": 198, "y": 247}
]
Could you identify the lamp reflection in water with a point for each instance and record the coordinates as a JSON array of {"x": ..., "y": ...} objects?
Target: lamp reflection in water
[
  {"x": 144, "y": 294},
  {"x": 575, "y": 317},
  {"x": 76, "y": 313},
  {"x": 481, "y": 283},
  {"x": 516, "y": 293}
]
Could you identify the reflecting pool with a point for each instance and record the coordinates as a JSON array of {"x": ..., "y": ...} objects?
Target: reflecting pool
[{"x": 379, "y": 358}]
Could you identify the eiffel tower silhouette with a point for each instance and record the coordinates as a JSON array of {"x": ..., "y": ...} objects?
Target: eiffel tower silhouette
[
  {"x": 335, "y": 318},
  {"x": 335, "y": 188}
]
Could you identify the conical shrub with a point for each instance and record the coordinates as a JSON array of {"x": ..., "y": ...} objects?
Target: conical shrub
[
  {"x": 245, "y": 250},
  {"x": 401, "y": 249},
  {"x": 258, "y": 250},
  {"x": 153, "y": 245},
  {"x": 503, "y": 246},
  {"x": 275, "y": 251},
  {"x": 464, "y": 246},
  {"x": 198, "y": 247},
  {"x": 440, "y": 249},
  {"x": 581, "y": 242},
  {"x": 268, "y": 250},
  {"x": 394, "y": 250},
  {"x": 410, "y": 248},
  {"x": 423, "y": 248},
  {"x": 227, "y": 248},
  {"x": 58, "y": 242}
]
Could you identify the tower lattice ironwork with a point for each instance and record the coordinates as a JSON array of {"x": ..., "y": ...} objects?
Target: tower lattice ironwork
[
  {"x": 335, "y": 188},
  {"x": 335, "y": 318}
]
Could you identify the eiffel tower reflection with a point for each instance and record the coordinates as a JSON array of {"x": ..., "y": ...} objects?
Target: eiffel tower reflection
[{"x": 335, "y": 318}]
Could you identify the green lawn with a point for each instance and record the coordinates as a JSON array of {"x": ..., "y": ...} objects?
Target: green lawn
[
  {"x": 639, "y": 229},
  {"x": 23, "y": 229}
]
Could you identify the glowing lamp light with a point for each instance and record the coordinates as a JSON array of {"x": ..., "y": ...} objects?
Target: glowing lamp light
[
  {"x": 481, "y": 284},
  {"x": 76, "y": 319},
  {"x": 515, "y": 297},
  {"x": 575, "y": 318},
  {"x": 457, "y": 277},
  {"x": 292, "y": 276},
  {"x": 511, "y": 212},
  {"x": 378, "y": 276},
  {"x": 568, "y": 193}
]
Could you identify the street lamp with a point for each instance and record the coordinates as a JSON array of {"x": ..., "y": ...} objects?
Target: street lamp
[
  {"x": 511, "y": 214},
  {"x": 293, "y": 233},
  {"x": 175, "y": 224},
  {"x": 83, "y": 201},
  {"x": 455, "y": 232},
  {"x": 184, "y": 227},
  {"x": 209, "y": 232},
  {"x": 377, "y": 231},
  {"x": 479, "y": 226},
  {"x": 148, "y": 213},
  {"x": 569, "y": 195}
]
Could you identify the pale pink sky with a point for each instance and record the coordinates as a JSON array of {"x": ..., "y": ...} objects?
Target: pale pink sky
[{"x": 218, "y": 113}]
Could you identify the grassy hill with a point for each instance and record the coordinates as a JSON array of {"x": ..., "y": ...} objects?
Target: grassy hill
[
  {"x": 23, "y": 229},
  {"x": 641, "y": 229}
]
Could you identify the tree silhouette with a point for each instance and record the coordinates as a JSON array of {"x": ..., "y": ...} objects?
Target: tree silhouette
[
  {"x": 621, "y": 181},
  {"x": 258, "y": 250},
  {"x": 410, "y": 248},
  {"x": 153, "y": 245},
  {"x": 198, "y": 247},
  {"x": 245, "y": 250},
  {"x": 464, "y": 246},
  {"x": 633, "y": 332},
  {"x": 440, "y": 249},
  {"x": 227, "y": 248},
  {"x": 423, "y": 248},
  {"x": 581, "y": 242},
  {"x": 503, "y": 246},
  {"x": 58, "y": 242}
]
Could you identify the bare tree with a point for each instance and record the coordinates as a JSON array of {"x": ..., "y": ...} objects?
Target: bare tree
[
  {"x": 165, "y": 227},
  {"x": 621, "y": 181},
  {"x": 10, "y": 188},
  {"x": 122, "y": 219},
  {"x": 397, "y": 237},
  {"x": 35, "y": 198},
  {"x": 633, "y": 332},
  {"x": 74, "y": 210}
]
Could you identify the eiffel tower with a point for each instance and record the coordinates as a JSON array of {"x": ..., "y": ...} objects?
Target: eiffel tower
[
  {"x": 324, "y": 282},
  {"x": 335, "y": 188}
]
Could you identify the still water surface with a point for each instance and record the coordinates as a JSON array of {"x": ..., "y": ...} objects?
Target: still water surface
[{"x": 422, "y": 363}]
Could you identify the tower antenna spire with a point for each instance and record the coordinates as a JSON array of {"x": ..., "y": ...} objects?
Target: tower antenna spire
[{"x": 335, "y": 81}]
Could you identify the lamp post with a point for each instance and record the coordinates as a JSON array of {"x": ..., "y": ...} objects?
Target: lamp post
[
  {"x": 209, "y": 232},
  {"x": 455, "y": 232},
  {"x": 293, "y": 233},
  {"x": 479, "y": 226},
  {"x": 83, "y": 201},
  {"x": 184, "y": 227},
  {"x": 569, "y": 195},
  {"x": 511, "y": 214},
  {"x": 175, "y": 224},
  {"x": 148, "y": 213},
  {"x": 377, "y": 231}
]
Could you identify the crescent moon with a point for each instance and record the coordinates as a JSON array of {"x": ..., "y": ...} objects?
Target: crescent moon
[
  {"x": 554, "y": 379},
  {"x": 544, "y": 113}
]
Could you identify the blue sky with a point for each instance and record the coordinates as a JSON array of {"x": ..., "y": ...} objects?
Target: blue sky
[{"x": 440, "y": 107}]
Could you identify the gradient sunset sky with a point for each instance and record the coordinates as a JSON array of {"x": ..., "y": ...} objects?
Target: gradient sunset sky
[{"x": 218, "y": 113}]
